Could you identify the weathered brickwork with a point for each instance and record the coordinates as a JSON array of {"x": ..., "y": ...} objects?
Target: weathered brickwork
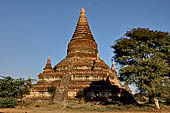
[{"x": 81, "y": 67}]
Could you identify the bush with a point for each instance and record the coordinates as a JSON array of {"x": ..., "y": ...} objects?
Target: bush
[
  {"x": 80, "y": 94},
  {"x": 7, "y": 103}
]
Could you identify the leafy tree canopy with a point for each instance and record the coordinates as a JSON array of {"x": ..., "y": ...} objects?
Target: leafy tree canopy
[
  {"x": 14, "y": 88},
  {"x": 143, "y": 56}
]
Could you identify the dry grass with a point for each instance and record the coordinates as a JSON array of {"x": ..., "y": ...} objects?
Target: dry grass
[{"x": 76, "y": 107}]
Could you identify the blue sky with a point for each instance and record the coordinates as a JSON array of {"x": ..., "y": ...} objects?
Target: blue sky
[{"x": 32, "y": 30}]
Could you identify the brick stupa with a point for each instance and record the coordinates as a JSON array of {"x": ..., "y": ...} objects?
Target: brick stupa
[{"x": 81, "y": 67}]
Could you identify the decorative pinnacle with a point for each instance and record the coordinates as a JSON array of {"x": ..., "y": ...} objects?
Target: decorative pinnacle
[
  {"x": 113, "y": 68},
  {"x": 48, "y": 67},
  {"x": 83, "y": 11},
  {"x": 29, "y": 77},
  {"x": 48, "y": 61},
  {"x": 82, "y": 18},
  {"x": 29, "y": 80},
  {"x": 97, "y": 56},
  {"x": 48, "y": 57}
]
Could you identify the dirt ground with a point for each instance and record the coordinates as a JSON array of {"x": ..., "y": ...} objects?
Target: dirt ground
[
  {"x": 63, "y": 111},
  {"x": 59, "y": 111},
  {"x": 76, "y": 107},
  {"x": 15, "y": 110}
]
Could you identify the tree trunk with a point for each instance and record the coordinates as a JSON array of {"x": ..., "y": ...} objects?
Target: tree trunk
[{"x": 156, "y": 103}]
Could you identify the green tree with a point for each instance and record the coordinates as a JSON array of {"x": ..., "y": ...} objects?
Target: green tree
[
  {"x": 10, "y": 87},
  {"x": 143, "y": 57},
  {"x": 11, "y": 90}
]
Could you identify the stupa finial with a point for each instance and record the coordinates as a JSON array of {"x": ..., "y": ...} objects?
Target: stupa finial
[
  {"x": 113, "y": 67},
  {"x": 48, "y": 57},
  {"x": 48, "y": 67},
  {"x": 48, "y": 61},
  {"x": 83, "y": 11}
]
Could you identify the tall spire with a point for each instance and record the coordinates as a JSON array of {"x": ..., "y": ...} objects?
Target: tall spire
[
  {"x": 82, "y": 42},
  {"x": 82, "y": 29},
  {"x": 48, "y": 67}
]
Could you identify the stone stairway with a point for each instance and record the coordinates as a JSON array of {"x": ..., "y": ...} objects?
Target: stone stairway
[{"x": 62, "y": 91}]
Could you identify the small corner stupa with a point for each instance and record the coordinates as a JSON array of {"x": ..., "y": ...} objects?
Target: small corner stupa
[{"x": 81, "y": 68}]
